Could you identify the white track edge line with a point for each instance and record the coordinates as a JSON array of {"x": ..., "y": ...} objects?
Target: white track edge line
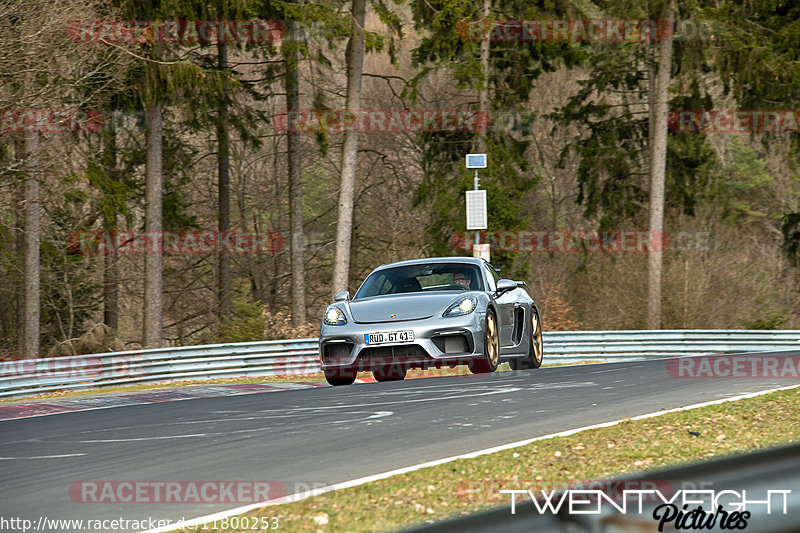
[
  {"x": 471, "y": 455},
  {"x": 98, "y": 407},
  {"x": 544, "y": 367}
]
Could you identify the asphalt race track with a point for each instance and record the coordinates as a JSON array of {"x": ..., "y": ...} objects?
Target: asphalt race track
[{"x": 317, "y": 436}]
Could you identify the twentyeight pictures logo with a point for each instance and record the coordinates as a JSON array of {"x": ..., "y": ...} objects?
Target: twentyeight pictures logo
[
  {"x": 491, "y": 491},
  {"x": 682, "y": 509}
]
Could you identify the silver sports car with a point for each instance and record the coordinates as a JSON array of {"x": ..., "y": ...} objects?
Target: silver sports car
[{"x": 430, "y": 313}]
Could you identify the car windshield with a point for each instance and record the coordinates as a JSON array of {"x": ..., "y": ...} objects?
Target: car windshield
[{"x": 421, "y": 278}]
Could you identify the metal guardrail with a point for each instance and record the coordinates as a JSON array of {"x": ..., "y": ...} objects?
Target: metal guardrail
[
  {"x": 750, "y": 478},
  {"x": 630, "y": 345},
  {"x": 300, "y": 356},
  {"x": 262, "y": 358}
]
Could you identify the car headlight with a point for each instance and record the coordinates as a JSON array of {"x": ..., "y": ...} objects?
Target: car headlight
[
  {"x": 334, "y": 316},
  {"x": 462, "y": 306}
]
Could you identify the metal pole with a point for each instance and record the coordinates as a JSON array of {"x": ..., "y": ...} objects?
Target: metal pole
[{"x": 477, "y": 232}]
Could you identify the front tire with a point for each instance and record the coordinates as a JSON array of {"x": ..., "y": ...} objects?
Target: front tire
[
  {"x": 340, "y": 376},
  {"x": 491, "y": 347}
]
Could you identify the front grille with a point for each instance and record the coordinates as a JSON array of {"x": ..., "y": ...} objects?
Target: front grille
[
  {"x": 406, "y": 355},
  {"x": 383, "y": 352}
]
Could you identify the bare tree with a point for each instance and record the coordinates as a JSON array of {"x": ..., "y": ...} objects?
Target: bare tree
[
  {"x": 658, "y": 165},
  {"x": 110, "y": 261},
  {"x": 32, "y": 237},
  {"x": 291, "y": 59},
  {"x": 153, "y": 305},
  {"x": 19, "y": 246},
  {"x": 44, "y": 69},
  {"x": 483, "y": 93},
  {"x": 344, "y": 225},
  {"x": 224, "y": 190}
]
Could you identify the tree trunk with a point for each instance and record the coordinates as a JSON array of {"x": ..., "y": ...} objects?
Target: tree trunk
[
  {"x": 32, "y": 235},
  {"x": 291, "y": 58},
  {"x": 19, "y": 247},
  {"x": 111, "y": 261},
  {"x": 224, "y": 191},
  {"x": 344, "y": 225},
  {"x": 480, "y": 143},
  {"x": 111, "y": 287},
  {"x": 152, "y": 320},
  {"x": 483, "y": 93},
  {"x": 657, "y": 173}
]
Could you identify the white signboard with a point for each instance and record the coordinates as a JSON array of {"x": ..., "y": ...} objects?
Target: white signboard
[
  {"x": 482, "y": 250},
  {"x": 476, "y": 209},
  {"x": 476, "y": 160}
]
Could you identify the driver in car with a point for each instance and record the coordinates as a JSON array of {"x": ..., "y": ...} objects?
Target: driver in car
[{"x": 462, "y": 279}]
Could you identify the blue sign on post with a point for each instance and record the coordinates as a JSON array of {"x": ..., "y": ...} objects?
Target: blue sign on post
[{"x": 476, "y": 160}]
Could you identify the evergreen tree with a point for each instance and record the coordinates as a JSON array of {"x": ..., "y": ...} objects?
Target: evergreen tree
[{"x": 505, "y": 81}]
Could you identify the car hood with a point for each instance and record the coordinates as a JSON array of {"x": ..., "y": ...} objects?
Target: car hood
[{"x": 414, "y": 306}]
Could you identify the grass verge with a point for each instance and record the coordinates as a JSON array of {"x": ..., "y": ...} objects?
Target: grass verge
[{"x": 467, "y": 485}]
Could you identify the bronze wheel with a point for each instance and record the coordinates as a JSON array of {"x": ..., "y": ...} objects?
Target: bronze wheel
[{"x": 537, "y": 346}]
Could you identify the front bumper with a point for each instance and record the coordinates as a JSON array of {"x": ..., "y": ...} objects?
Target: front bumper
[{"x": 438, "y": 342}]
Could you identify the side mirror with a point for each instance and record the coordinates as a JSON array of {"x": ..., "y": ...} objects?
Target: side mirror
[
  {"x": 342, "y": 296},
  {"x": 505, "y": 285}
]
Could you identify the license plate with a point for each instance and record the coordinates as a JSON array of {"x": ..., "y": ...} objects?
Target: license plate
[{"x": 389, "y": 336}]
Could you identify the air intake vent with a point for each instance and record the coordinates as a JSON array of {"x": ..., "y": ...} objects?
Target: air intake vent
[
  {"x": 336, "y": 352},
  {"x": 451, "y": 343}
]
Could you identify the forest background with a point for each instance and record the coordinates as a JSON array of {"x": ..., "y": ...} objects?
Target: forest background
[{"x": 193, "y": 135}]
